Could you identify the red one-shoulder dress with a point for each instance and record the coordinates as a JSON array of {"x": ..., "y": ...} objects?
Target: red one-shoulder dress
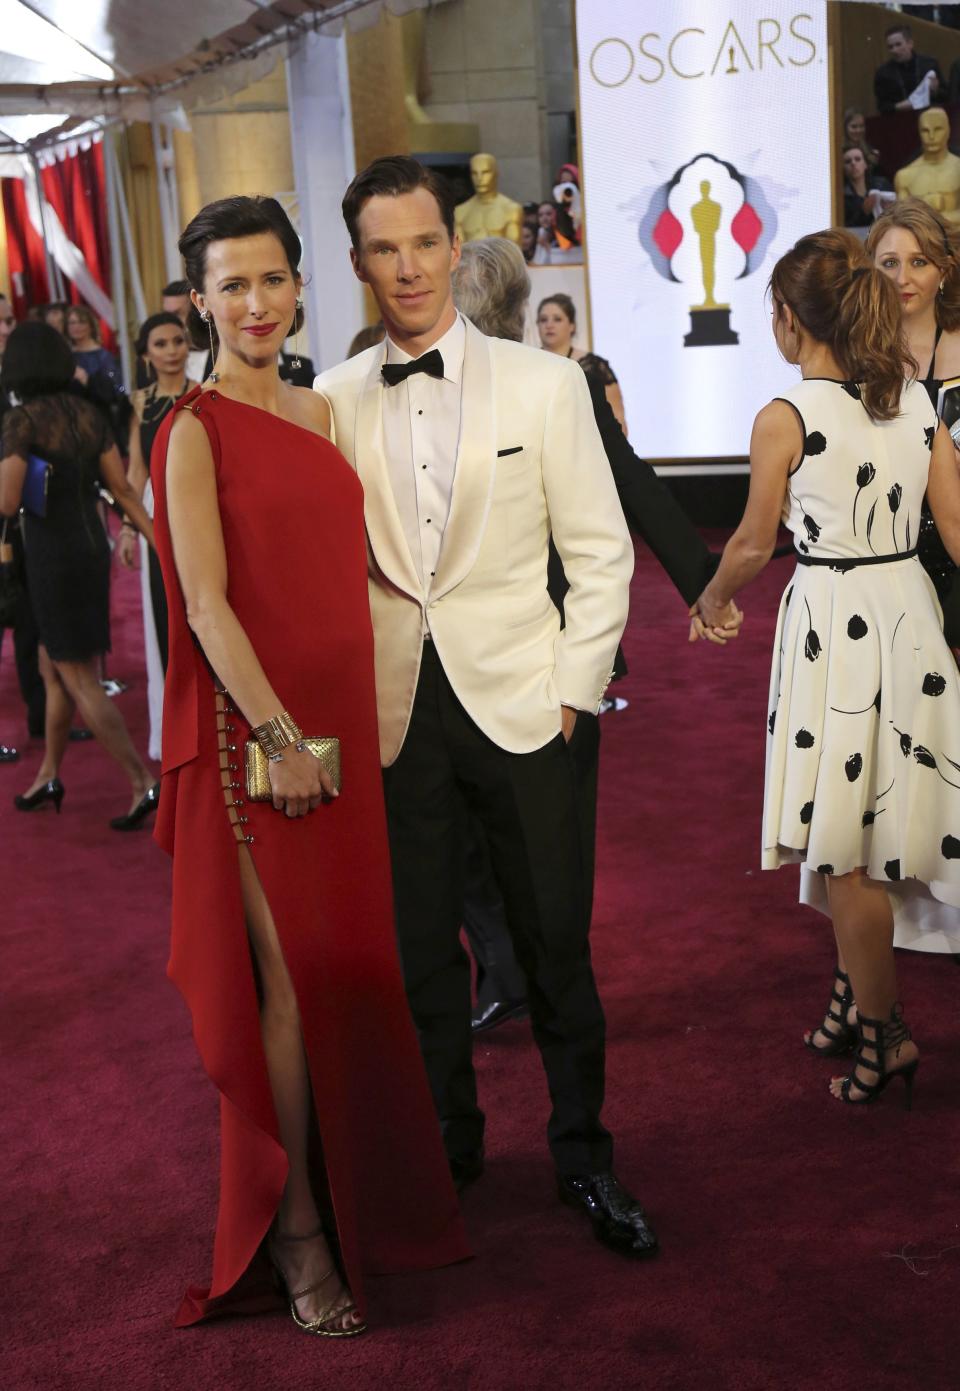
[{"x": 292, "y": 514}]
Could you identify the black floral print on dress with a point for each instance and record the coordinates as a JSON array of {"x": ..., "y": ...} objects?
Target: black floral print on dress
[
  {"x": 894, "y": 498},
  {"x": 866, "y": 473},
  {"x": 852, "y": 389},
  {"x": 857, "y": 628},
  {"x": 815, "y": 443},
  {"x": 928, "y": 434},
  {"x": 806, "y": 813},
  {"x": 950, "y": 848},
  {"x": 933, "y": 684},
  {"x": 853, "y": 766},
  {"x": 804, "y": 739},
  {"x": 811, "y": 648}
]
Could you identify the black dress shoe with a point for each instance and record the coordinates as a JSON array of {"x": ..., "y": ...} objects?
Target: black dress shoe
[
  {"x": 79, "y": 735},
  {"x": 8, "y": 754},
  {"x": 498, "y": 1012},
  {"x": 147, "y": 803},
  {"x": 465, "y": 1168},
  {"x": 618, "y": 1219}
]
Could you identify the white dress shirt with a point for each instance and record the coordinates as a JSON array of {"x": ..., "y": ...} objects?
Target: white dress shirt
[{"x": 421, "y": 435}]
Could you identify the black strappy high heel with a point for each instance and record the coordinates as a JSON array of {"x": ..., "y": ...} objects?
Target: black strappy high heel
[
  {"x": 843, "y": 1039},
  {"x": 887, "y": 1034}
]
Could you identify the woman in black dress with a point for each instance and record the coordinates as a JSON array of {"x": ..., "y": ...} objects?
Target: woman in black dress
[
  {"x": 67, "y": 553},
  {"x": 557, "y": 325},
  {"x": 162, "y": 343}
]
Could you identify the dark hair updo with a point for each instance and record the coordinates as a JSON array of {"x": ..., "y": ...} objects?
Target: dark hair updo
[
  {"x": 226, "y": 220},
  {"x": 37, "y": 361}
]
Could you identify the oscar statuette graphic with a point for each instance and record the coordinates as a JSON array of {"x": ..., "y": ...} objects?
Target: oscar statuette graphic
[
  {"x": 709, "y": 321},
  {"x": 707, "y": 227}
]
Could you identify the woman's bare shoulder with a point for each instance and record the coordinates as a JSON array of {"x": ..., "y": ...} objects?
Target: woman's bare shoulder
[{"x": 312, "y": 411}]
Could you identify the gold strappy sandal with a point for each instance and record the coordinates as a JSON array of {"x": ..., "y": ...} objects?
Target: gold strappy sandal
[{"x": 324, "y": 1326}]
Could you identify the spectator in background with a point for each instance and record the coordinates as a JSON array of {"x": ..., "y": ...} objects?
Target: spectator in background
[
  {"x": 366, "y": 338},
  {"x": 97, "y": 369},
  {"x": 25, "y": 640},
  {"x": 557, "y": 325},
  {"x": 895, "y": 80},
  {"x": 55, "y": 314},
  {"x": 163, "y": 344},
  {"x": 175, "y": 299},
  {"x": 67, "y": 554},
  {"x": 528, "y": 240},
  {"x": 546, "y": 234},
  {"x": 855, "y": 133},
  {"x": 862, "y": 189}
]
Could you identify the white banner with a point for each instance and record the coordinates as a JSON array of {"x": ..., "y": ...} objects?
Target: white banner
[{"x": 706, "y": 154}]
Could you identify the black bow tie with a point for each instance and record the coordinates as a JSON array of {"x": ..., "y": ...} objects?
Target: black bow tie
[{"x": 431, "y": 363}]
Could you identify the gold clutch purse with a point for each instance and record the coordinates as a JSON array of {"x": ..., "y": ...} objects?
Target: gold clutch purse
[{"x": 257, "y": 765}]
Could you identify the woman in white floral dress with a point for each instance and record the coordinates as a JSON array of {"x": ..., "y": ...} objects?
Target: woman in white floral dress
[{"x": 863, "y": 745}]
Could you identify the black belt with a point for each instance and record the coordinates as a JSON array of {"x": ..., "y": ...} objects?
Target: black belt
[{"x": 837, "y": 562}]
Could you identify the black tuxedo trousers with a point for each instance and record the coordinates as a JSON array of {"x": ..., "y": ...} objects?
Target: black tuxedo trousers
[{"x": 529, "y": 809}]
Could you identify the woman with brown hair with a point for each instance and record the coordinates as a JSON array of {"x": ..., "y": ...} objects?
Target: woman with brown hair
[
  {"x": 921, "y": 255},
  {"x": 557, "y": 326},
  {"x": 864, "y": 715}
]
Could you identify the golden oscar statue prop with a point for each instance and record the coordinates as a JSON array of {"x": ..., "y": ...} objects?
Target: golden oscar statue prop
[
  {"x": 935, "y": 176},
  {"x": 709, "y": 321},
  {"x": 488, "y": 213}
]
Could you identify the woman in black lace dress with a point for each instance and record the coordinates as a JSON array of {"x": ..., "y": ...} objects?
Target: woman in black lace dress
[
  {"x": 557, "y": 324},
  {"x": 67, "y": 554}
]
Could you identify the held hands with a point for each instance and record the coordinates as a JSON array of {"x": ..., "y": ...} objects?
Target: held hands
[
  {"x": 713, "y": 622},
  {"x": 299, "y": 782}
]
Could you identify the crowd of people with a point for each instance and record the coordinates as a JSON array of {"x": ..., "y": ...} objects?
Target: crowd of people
[
  {"x": 421, "y": 752},
  {"x": 907, "y": 82}
]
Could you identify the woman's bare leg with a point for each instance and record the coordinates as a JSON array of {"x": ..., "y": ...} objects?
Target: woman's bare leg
[
  {"x": 863, "y": 922},
  {"x": 101, "y": 716},
  {"x": 305, "y": 1262},
  {"x": 60, "y": 707}
]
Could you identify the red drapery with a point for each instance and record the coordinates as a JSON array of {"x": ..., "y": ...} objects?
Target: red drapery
[
  {"x": 75, "y": 187},
  {"x": 25, "y": 255}
]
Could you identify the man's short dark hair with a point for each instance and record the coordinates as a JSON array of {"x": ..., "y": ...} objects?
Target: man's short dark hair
[
  {"x": 391, "y": 176},
  {"x": 177, "y": 289},
  {"x": 903, "y": 29}
]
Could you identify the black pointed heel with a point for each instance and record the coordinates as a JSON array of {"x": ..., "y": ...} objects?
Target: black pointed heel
[
  {"x": 51, "y": 791},
  {"x": 887, "y": 1034},
  {"x": 147, "y": 803},
  {"x": 844, "y": 1038}
]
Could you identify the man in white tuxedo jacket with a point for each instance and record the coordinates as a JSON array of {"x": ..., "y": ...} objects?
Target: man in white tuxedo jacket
[{"x": 472, "y": 452}]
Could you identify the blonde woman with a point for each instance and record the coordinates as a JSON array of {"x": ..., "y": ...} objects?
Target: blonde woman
[{"x": 921, "y": 255}]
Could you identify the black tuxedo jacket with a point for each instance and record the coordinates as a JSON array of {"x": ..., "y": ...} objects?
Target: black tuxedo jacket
[{"x": 651, "y": 511}]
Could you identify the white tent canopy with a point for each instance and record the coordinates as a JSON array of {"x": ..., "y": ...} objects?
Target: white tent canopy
[{"x": 64, "y": 63}]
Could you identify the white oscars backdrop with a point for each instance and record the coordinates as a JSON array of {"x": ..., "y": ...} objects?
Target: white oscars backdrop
[{"x": 705, "y": 135}]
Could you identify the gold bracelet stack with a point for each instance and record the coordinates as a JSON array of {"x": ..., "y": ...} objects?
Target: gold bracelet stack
[{"x": 277, "y": 734}]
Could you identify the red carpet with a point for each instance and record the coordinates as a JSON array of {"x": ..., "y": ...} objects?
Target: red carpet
[{"x": 804, "y": 1245}]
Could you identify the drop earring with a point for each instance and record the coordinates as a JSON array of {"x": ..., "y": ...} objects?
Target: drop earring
[
  {"x": 207, "y": 318},
  {"x": 296, "y": 338}
]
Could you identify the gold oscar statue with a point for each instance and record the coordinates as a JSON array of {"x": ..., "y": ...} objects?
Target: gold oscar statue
[
  {"x": 709, "y": 321},
  {"x": 935, "y": 176},
  {"x": 488, "y": 213}
]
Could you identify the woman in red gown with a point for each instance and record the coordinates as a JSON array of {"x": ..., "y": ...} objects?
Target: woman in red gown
[{"x": 283, "y": 945}]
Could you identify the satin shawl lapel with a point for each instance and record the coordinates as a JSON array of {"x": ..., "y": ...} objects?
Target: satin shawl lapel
[
  {"x": 476, "y": 466},
  {"x": 384, "y": 527}
]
